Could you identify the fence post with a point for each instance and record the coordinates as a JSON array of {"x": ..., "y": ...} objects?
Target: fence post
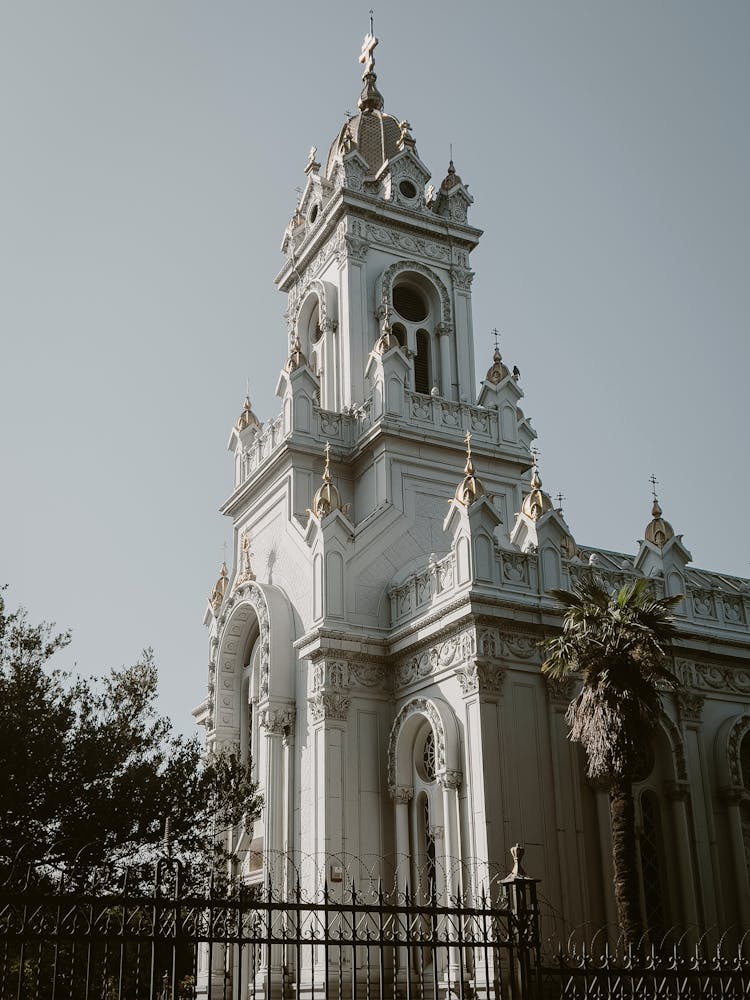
[{"x": 521, "y": 901}]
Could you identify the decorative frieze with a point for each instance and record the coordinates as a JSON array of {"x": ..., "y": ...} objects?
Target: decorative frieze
[
  {"x": 712, "y": 678},
  {"x": 437, "y": 658},
  {"x": 408, "y": 244}
]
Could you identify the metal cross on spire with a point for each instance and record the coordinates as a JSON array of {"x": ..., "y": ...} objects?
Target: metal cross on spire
[
  {"x": 535, "y": 453},
  {"x": 496, "y": 334},
  {"x": 559, "y": 499},
  {"x": 654, "y": 483},
  {"x": 372, "y": 21},
  {"x": 368, "y": 47}
]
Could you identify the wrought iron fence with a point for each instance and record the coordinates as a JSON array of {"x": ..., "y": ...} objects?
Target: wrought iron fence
[
  {"x": 156, "y": 933},
  {"x": 136, "y": 935}
]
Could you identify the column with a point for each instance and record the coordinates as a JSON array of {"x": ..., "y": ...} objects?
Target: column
[
  {"x": 402, "y": 796},
  {"x": 446, "y": 386},
  {"x": 677, "y": 793}
]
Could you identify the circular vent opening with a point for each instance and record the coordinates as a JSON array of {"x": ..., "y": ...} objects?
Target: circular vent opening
[
  {"x": 409, "y": 303},
  {"x": 407, "y": 189}
]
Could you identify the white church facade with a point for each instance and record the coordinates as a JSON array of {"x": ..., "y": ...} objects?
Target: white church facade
[{"x": 374, "y": 645}]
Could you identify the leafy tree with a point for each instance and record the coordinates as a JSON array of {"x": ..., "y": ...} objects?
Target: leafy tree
[
  {"x": 620, "y": 646},
  {"x": 89, "y": 769}
]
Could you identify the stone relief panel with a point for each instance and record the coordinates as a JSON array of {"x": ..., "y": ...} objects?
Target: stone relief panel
[
  {"x": 481, "y": 676},
  {"x": 409, "y": 244},
  {"x": 710, "y": 678},
  {"x": 431, "y": 661}
]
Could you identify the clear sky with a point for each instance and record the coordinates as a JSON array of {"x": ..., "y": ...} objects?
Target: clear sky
[{"x": 150, "y": 152}]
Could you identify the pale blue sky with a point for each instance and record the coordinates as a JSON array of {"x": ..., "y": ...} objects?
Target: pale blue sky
[{"x": 150, "y": 155}]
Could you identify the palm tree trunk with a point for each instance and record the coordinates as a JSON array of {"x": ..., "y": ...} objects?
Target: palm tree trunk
[{"x": 627, "y": 896}]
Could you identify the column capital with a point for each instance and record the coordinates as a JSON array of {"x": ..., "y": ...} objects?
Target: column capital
[
  {"x": 449, "y": 779},
  {"x": 401, "y": 794},
  {"x": 278, "y": 721}
]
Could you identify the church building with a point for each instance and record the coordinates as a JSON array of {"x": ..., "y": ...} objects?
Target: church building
[{"x": 374, "y": 643}]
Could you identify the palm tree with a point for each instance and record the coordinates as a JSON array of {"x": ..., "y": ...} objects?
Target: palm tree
[{"x": 620, "y": 646}]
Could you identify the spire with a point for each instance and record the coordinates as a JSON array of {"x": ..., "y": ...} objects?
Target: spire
[
  {"x": 370, "y": 99},
  {"x": 470, "y": 488}
]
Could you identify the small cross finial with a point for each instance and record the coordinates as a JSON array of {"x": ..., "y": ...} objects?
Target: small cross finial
[
  {"x": 654, "y": 483},
  {"x": 224, "y": 549},
  {"x": 372, "y": 21},
  {"x": 467, "y": 439},
  {"x": 535, "y": 453},
  {"x": 496, "y": 334},
  {"x": 559, "y": 498},
  {"x": 368, "y": 47}
]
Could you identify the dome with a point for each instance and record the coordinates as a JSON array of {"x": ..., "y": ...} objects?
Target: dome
[
  {"x": 658, "y": 531},
  {"x": 498, "y": 371},
  {"x": 537, "y": 502},
  {"x": 374, "y": 134}
]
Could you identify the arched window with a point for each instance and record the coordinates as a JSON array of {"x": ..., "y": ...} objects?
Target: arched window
[
  {"x": 745, "y": 804},
  {"x": 417, "y": 312},
  {"x": 422, "y": 362}
]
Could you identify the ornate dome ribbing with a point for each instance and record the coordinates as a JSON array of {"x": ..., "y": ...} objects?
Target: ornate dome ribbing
[
  {"x": 470, "y": 488},
  {"x": 327, "y": 498},
  {"x": 247, "y": 418},
  {"x": 537, "y": 502}
]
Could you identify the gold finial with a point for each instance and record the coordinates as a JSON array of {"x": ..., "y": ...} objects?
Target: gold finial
[
  {"x": 470, "y": 488},
  {"x": 247, "y": 418},
  {"x": 386, "y": 340},
  {"x": 296, "y": 358},
  {"x": 658, "y": 531},
  {"x": 370, "y": 99},
  {"x": 497, "y": 371},
  {"x": 327, "y": 497},
  {"x": 536, "y": 502},
  {"x": 220, "y": 587}
]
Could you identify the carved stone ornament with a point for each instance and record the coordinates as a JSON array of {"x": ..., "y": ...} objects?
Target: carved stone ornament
[
  {"x": 436, "y": 658},
  {"x": 449, "y": 779},
  {"x": 407, "y": 243},
  {"x": 325, "y": 705},
  {"x": 356, "y": 247},
  {"x": 710, "y": 677},
  {"x": 560, "y": 690},
  {"x": 401, "y": 794},
  {"x": 481, "y": 677},
  {"x": 740, "y": 729},
  {"x": 690, "y": 706},
  {"x": 277, "y": 721}
]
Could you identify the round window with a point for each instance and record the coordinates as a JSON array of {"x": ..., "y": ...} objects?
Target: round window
[
  {"x": 407, "y": 189},
  {"x": 410, "y": 303}
]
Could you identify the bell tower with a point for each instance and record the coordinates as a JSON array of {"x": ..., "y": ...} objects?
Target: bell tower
[{"x": 372, "y": 242}]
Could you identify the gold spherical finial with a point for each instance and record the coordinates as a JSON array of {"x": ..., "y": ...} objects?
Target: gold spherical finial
[
  {"x": 470, "y": 488},
  {"x": 658, "y": 531},
  {"x": 497, "y": 371}
]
